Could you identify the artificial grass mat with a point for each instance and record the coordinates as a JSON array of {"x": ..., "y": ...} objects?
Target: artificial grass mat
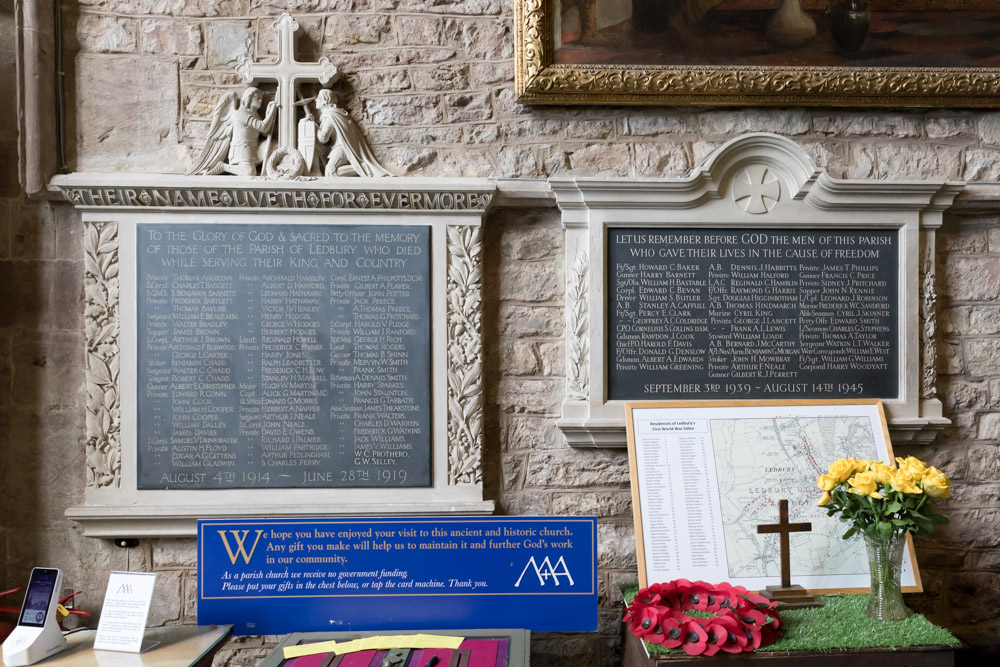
[{"x": 841, "y": 623}]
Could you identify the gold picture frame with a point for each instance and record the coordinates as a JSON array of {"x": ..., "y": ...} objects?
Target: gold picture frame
[{"x": 540, "y": 80}]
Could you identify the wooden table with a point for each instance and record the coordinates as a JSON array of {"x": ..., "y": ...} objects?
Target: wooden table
[
  {"x": 179, "y": 645},
  {"x": 920, "y": 656}
]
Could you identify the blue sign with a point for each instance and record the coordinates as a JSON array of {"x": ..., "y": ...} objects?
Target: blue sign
[{"x": 307, "y": 575}]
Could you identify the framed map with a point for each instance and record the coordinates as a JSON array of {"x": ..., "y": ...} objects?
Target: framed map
[{"x": 705, "y": 474}]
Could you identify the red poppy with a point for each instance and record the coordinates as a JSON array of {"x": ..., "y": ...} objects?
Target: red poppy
[
  {"x": 753, "y": 617},
  {"x": 727, "y": 596},
  {"x": 736, "y": 639},
  {"x": 768, "y": 636},
  {"x": 648, "y": 596},
  {"x": 696, "y": 596},
  {"x": 694, "y": 638},
  {"x": 753, "y": 637},
  {"x": 671, "y": 629},
  {"x": 717, "y": 636},
  {"x": 644, "y": 620}
]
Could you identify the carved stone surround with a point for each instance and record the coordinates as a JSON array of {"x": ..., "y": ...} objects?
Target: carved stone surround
[
  {"x": 757, "y": 180},
  {"x": 113, "y": 204}
]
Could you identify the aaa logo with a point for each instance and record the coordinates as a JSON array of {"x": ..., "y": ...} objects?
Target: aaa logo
[{"x": 545, "y": 570}]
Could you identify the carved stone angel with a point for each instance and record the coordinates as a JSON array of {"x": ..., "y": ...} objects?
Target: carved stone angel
[
  {"x": 350, "y": 154},
  {"x": 234, "y": 135}
]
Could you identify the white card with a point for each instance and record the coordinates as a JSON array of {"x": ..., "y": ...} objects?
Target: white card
[{"x": 126, "y": 606}]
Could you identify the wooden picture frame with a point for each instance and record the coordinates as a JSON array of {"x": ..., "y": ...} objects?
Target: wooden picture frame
[
  {"x": 615, "y": 74},
  {"x": 715, "y": 540}
]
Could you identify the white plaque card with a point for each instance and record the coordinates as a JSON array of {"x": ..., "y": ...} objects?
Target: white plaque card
[{"x": 123, "y": 617}]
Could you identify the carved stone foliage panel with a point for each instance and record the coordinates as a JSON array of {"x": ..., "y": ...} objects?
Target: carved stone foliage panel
[
  {"x": 102, "y": 327},
  {"x": 465, "y": 355}
]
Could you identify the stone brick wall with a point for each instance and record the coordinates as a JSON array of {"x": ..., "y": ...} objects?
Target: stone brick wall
[{"x": 431, "y": 83}]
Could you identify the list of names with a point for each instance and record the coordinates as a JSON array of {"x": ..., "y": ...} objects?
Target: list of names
[
  {"x": 698, "y": 313},
  {"x": 283, "y": 356}
]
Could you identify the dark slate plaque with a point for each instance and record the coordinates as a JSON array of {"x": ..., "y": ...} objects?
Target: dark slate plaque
[
  {"x": 283, "y": 356},
  {"x": 768, "y": 313}
]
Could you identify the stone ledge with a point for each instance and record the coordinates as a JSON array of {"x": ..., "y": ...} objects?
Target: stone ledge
[
  {"x": 111, "y": 522},
  {"x": 611, "y": 433}
]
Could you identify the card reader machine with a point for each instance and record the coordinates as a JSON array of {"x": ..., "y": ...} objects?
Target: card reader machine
[{"x": 37, "y": 635}]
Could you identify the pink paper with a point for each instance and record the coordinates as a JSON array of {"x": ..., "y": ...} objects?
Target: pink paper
[
  {"x": 421, "y": 656},
  {"x": 484, "y": 652},
  {"x": 305, "y": 660},
  {"x": 358, "y": 659}
]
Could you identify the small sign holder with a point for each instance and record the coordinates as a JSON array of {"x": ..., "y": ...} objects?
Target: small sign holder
[{"x": 123, "y": 616}]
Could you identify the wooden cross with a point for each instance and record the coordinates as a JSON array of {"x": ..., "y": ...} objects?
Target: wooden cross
[
  {"x": 288, "y": 72},
  {"x": 784, "y": 529},
  {"x": 790, "y": 596}
]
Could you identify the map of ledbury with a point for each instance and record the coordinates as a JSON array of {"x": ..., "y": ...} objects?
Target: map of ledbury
[{"x": 759, "y": 462}]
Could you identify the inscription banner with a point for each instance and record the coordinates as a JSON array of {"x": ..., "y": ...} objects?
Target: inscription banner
[
  {"x": 253, "y": 199},
  {"x": 283, "y": 356},
  {"x": 306, "y": 575},
  {"x": 765, "y": 313}
]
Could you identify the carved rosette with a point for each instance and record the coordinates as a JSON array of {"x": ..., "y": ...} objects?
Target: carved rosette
[
  {"x": 465, "y": 355},
  {"x": 101, "y": 324},
  {"x": 578, "y": 326},
  {"x": 928, "y": 318}
]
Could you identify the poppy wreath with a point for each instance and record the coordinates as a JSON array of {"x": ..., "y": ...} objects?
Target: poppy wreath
[{"x": 736, "y": 620}]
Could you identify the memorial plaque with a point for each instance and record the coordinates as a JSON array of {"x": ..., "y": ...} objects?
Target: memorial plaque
[
  {"x": 283, "y": 356},
  {"x": 763, "y": 313}
]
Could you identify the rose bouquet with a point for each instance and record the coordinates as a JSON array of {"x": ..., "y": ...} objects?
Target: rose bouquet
[
  {"x": 880, "y": 500},
  {"x": 884, "y": 503}
]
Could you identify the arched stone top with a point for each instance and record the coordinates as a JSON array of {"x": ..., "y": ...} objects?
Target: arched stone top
[
  {"x": 777, "y": 155},
  {"x": 759, "y": 175}
]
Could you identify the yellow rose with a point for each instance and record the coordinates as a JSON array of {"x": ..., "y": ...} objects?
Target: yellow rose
[
  {"x": 912, "y": 465},
  {"x": 936, "y": 484},
  {"x": 904, "y": 481},
  {"x": 825, "y": 500},
  {"x": 842, "y": 469},
  {"x": 863, "y": 484},
  {"x": 882, "y": 471},
  {"x": 860, "y": 465},
  {"x": 827, "y": 482}
]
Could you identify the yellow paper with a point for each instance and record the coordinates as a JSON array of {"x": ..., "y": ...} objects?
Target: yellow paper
[
  {"x": 383, "y": 642},
  {"x": 438, "y": 641},
  {"x": 308, "y": 649},
  {"x": 347, "y": 647}
]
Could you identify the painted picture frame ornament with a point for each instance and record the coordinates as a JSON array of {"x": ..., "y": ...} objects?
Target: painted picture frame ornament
[{"x": 539, "y": 79}]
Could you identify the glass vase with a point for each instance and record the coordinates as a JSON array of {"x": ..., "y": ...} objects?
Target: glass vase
[{"x": 885, "y": 560}]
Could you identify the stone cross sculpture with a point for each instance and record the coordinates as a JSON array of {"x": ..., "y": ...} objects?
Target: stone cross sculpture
[
  {"x": 288, "y": 73},
  {"x": 233, "y": 144},
  {"x": 791, "y": 597}
]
